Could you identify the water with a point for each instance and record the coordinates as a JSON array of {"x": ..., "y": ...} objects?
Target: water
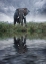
[{"x": 22, "y": 50}]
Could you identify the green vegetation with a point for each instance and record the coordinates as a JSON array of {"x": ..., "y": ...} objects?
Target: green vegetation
[
  {"x": 6, "y": 27},
  {"x": 31, "y": 27},
  {"x": 32, "y": 30}
]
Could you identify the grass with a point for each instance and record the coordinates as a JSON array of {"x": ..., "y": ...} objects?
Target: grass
[
  {"x": 33, "y": 30},
  {"x": 32, "y": 27}
]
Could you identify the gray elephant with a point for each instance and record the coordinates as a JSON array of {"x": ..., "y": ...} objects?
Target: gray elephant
[{"x": 20, "y": 15}]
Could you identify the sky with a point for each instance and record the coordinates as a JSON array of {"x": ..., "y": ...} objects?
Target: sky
[{"x": 37, "y": 9}]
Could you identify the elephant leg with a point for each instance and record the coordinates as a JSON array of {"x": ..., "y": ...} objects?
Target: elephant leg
[
  {"x": 14, "y": 21},
  {"x": 21, "y": 21},
  {"x": 25, "y": 21},
  {"x": 18, "y": 21}
]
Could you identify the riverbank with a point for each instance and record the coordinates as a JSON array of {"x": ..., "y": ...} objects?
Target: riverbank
[
  {"x": 32, "y": 30},
  {"x": 31, "y": 27}
]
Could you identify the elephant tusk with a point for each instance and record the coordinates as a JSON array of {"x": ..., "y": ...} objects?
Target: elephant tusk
[{"x": 18, "y": 16}]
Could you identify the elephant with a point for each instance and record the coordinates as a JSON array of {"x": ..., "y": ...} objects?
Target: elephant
[{"x": 20, "y": 15}]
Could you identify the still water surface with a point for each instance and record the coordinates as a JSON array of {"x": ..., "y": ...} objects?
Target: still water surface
[{"x": 22, "y": 50}]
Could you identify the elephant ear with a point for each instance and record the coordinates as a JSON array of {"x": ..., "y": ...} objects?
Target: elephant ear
[{"x": 25, "y": 11}]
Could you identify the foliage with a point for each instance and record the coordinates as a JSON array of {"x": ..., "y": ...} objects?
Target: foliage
[{"x": 31, "y": 27}]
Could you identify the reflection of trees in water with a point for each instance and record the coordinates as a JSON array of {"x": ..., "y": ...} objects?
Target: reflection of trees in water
[{"x": 20, "y": 44}]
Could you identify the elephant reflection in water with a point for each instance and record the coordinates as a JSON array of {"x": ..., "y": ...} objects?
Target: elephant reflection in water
[{"x": 20, "y": 44}]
